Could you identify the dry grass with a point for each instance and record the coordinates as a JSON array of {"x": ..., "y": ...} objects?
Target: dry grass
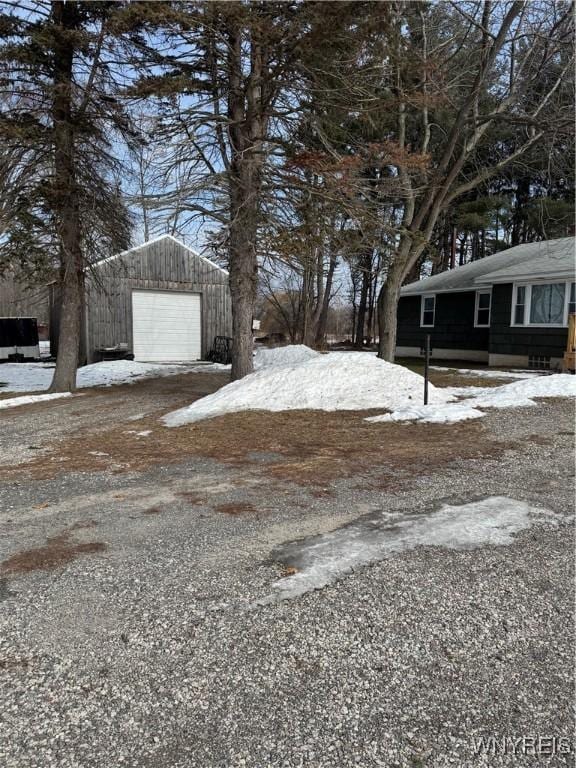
[
  {"x": 307, "y": 447},
  {"x": 447, "y": 379},
  {"x": 316, "y": 447},
  {"x": 57, "y": 552}
]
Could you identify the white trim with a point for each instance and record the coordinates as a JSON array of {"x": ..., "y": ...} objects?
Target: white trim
[
  {"x": 470, "y": 289},
  {"x": 528, "y": 303},
  {"x": 157, "y": 240},
  {"x": 423, "y": 297},
  {"x": 476, "y": 308}
]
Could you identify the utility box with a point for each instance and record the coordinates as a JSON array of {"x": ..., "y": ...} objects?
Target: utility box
[{"x": 18, "y": 339}]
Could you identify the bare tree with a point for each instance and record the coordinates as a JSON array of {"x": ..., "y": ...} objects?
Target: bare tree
[{"x": 491, "y": 75}]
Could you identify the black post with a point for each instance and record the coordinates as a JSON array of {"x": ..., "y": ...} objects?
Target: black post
[{"x": 426, "y": 367}]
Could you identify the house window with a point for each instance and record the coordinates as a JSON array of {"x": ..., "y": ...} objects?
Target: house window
[
  {"x": 539, "y": 361},
  {"x": 482, "y": 316},
  {"x": 547, "y": 304},
  {"x": 572, "y": 300},
  {"x": 543, "y": 304},
  {"x": 520, "y": 305},
  {"x": 428, "y": 311}
]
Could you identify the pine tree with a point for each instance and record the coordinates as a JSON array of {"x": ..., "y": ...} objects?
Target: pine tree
[{"x": 59, "y": 121}]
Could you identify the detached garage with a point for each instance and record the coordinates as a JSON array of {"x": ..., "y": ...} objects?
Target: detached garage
[{"x": 160, "y": 301}]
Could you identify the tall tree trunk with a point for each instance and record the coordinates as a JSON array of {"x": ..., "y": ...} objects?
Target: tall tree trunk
[
  {"x": 522, "y": 199},
  {"x": 387, "y": 312},
  {"x": 322, "y": 322},
  {"x": 366, "y": 267},
  {"x": 407, "y": 255},
  {"x": 372, "y": 301},
  {"x": 307, "y": 319},
  {"x": 243, "y": 278},
  {"x": 246, "y": 131},
  {"x": 66, "y": 207},
  {"x": 462, "y": 256}
]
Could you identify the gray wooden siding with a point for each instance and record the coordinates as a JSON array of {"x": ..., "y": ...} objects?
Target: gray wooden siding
[
  {"x": 20, "y": 300},
  {"x": 163, "y": 265}
]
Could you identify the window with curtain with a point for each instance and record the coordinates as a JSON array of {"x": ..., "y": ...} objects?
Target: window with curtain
[{"x": 547, "y": 304}]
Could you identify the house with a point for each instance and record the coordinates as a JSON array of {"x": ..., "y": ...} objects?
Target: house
[{"x": 509, "y": 309}]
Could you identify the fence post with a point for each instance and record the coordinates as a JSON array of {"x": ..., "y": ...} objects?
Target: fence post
[{"x": 426, "y": 367}]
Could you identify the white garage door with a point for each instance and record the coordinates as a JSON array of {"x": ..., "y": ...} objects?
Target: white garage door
[{"x": 166, "y": 326}]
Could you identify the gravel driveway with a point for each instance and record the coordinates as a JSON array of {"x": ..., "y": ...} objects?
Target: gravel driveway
[{"x": 130, "y": 633}]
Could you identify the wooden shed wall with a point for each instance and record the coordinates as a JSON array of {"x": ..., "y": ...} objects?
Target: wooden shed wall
[
  {"x": 17, "y": 299},
  {"x": 164, "y": 265}
]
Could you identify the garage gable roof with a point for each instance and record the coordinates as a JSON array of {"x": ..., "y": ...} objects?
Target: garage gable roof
[
  {"x": 532, "y": 261},
  {"x": 158, "y": 240}
]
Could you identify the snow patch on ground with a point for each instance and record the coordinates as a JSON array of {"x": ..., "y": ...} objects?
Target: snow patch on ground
[
  {"x": 33, "y": 377},
  {"x": 334, "y": 382},
  {"x": 432, "y": 414},
  {"x": 13, "y": 402},
  {"x": 324, "y": 559},
  {"x": 517, "y": 394},
  {"x": 520, "y": 393}
]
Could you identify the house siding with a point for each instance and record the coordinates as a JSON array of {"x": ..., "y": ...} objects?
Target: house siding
[
  {"x": 453, "y": 323},
  {"x": 506, "y": 339}
]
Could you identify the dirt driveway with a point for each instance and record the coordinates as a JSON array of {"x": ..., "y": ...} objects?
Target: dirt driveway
[{"x": 133, "y": 557}]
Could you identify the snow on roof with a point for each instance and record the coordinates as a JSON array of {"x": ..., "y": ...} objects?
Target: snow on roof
[
  {"x": 541, "y": 260},
  {"x": 157, "y": 240}
]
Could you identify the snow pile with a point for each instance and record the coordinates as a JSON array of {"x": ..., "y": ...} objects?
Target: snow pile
[
  {"x": 324, "y": 559},
  {"x": 280, "y": 356},
  {"x": 12, "y": 402},
  {"x": 334, "y": 382},
  {"x": 32, "y": 377},
  {"x": 432, "y": 414}
]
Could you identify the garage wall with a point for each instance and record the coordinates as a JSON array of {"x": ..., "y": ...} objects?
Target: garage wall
[
  {"x": 161, "y": 265},
  {"x": 18, "y": 299}
]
